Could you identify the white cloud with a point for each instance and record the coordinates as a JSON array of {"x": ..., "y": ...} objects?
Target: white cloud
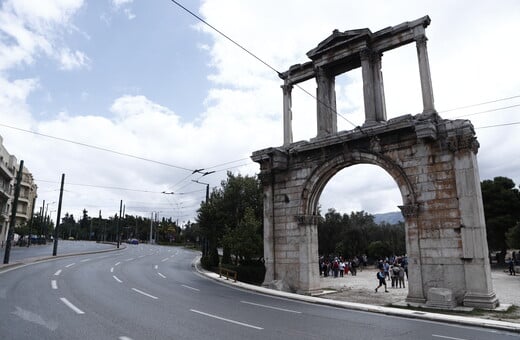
[
  {"x": 71, "y": 60},
  {"x": 243, "y": 106}
]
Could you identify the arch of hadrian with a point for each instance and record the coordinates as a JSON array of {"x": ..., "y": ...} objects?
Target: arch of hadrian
[{"x": 432, "y": 160}]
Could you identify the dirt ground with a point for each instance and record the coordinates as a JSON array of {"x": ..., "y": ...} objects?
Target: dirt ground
[{"x": 360, "y": 289}]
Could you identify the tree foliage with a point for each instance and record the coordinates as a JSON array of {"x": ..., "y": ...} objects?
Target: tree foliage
[
  {"x": 357, "y": 234},
  {"x": 231, "y": 213},
  {"x": 501, "y": 209}
]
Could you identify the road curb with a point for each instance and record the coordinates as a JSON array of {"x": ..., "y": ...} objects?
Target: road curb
[
  {"x": 34, "y": 260},
  {"x": 408, "y": 313}
]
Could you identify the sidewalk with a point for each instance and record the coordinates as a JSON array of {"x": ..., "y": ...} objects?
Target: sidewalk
[
  {"x": 357, "y": 293},
  {"x": 360, "y": 289}
]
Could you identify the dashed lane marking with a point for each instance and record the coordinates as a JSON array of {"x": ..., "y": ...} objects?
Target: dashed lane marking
[
  {"x": 227, "y": 320},
  {"x": 70, "y": 265},
  {"x": 196, "y": 289},
  {"x": 54, "y": 284},
  {"x": 58, "y": 272},
  {"x": 117, "y": 264},
  {"x": 112, "y": 269},
  {"x": 271, "y": 307},
  {"x": 161, "y": 275},
  {"x": 71, "y": 306},
  {"x": 145, "y": 294},
  {"x": 117, "y": 279}
]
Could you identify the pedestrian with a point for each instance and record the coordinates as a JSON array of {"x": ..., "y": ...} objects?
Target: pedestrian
[
  {"x": 394, "y": 275},
  {"x": 386, "y": 267},
  {"x": 341, "y": 267},
  {"x": 512, "y": 267},
  {"x": 381, "y": 277},
  {"x": 400, "y": 277}
]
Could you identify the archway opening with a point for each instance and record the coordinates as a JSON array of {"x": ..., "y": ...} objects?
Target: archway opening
[{"x": 361, "y": 226}]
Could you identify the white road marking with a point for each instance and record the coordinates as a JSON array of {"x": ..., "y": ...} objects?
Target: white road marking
[
  {"x": 156, "y": 266},
  {"x": 172, "y": 255},
  {"x": 117, "y": 279},
  {"x": 124, "y": 338},
  {"x": 71, "y": 306},
  {"x": 145, "y": 294},
  {"x": 112, "y": 269},
  {"x": 58, "y": 272},
  {"x": 227, "y": 320},
  {"x": 118, "y": 263},
  {"x": 85, "y": 260},
  {"x": 54, "y": 285},
  {"x": 142, "y": 256},
  {"x": 446, "y": 337},
  {"x": 163, "y": 260},
  {"x": 271, "y": 307},
  {"x": 69, "y": 265},
  {"x": 130, "y": 259},
  {"x": 198, "y": 290},
  {"x": 161, "y": 275}
]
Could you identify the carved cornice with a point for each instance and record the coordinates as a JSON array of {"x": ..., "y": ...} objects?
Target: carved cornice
[
  {"x": 308, "y": 219},
  {"x": 409, "y": 210},
  {"x": 458, "y": 143}
]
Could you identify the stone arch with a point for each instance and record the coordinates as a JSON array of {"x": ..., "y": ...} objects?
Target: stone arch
[
  {"x": 432, "y": 160},
  {"x": 324, "y": 172}
]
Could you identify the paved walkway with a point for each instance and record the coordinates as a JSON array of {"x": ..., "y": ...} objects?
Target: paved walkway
[{"x": 360, "y": 289}]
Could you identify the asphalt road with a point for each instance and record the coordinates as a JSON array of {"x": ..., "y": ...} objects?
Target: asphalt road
[
  {"x": 153, "y": 292},
  {"x": 64, "y": 247}
]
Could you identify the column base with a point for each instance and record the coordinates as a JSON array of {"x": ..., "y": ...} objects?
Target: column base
[{"x": 484, "y": 301}]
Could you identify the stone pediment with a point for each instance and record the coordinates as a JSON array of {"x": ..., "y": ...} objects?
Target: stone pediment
[{"x": 337, "y": 39}]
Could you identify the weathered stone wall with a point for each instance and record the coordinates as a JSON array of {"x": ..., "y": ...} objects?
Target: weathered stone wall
[{"x": 434, "y": 165}]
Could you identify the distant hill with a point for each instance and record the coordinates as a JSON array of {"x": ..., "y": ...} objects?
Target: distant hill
[{"x": 391, "y": 217}]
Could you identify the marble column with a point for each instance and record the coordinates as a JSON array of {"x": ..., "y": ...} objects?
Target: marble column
[
  {"x": 379, "y": 90},
  {"x": 424, "y": 73},
  {"x": 287, "y": 114},
  {"x": 326, "y": 106},
  {"x": 368, "y": 85}
]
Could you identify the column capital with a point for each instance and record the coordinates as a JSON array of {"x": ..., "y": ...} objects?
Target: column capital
[{"x": 287, "y": 88}]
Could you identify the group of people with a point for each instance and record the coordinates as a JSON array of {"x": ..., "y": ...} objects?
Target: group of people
[
  {"x": 395, "y": 270},
  {"x": 339, "y": 267}
]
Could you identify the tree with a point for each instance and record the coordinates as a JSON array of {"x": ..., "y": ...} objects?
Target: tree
[
  {"x": 225, "y": 210},
  {"x": 502, "y": 210},
  {"x": 245, "y": 242}
]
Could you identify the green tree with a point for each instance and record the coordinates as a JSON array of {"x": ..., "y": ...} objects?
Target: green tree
[
  {"x": 245, "y": 242},
  {"x": 502, "y": 210},
  {"x": 513, "y": 237},
  {"x": 225, "y": 210}
]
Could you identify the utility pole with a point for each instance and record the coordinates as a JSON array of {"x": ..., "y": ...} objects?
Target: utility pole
[
  {"x": 43, "y": 231},
  {"x": 151, "y": 227},
  {"x": 205, "y": 241},
  {"x": 14, "y": 207},
  {"x": 55, "y": 246},
  {"x": 118, "y": 221}
]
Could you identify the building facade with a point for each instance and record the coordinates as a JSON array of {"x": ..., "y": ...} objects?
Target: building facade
[{"x": 9, "y": 167}]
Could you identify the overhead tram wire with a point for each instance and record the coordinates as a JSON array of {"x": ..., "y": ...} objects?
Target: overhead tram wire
[
  {"x": 479, "y": 104},
  {"x": 263, "y": 62},
  {"x": 97, "y": 147}
]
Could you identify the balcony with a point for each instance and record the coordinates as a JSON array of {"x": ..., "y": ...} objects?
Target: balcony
[{"x": 5, "y": 172}]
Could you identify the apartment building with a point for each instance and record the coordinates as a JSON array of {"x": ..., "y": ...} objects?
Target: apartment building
[{"x": 28, "y": 192}]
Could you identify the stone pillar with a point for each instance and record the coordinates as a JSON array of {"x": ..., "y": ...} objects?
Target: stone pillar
[
  {"x": 424, "y": 73},
  {"x": 379, "y": 90},
  {"x": 269, "y": 239},
  {"x": 287, "y": 114},
  {"x": 309, "y": 280},
  {"x": 368, "y": 86},
  {"x": 326, "y": 98},
  {"x": 415, "y": 278},
  {"x": 479, "y": 287}
]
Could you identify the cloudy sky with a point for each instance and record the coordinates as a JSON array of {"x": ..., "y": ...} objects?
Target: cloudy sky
[{"x": 145, "y": 93}]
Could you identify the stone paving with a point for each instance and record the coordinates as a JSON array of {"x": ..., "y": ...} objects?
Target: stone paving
[{"x": 360, "y": 289}]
